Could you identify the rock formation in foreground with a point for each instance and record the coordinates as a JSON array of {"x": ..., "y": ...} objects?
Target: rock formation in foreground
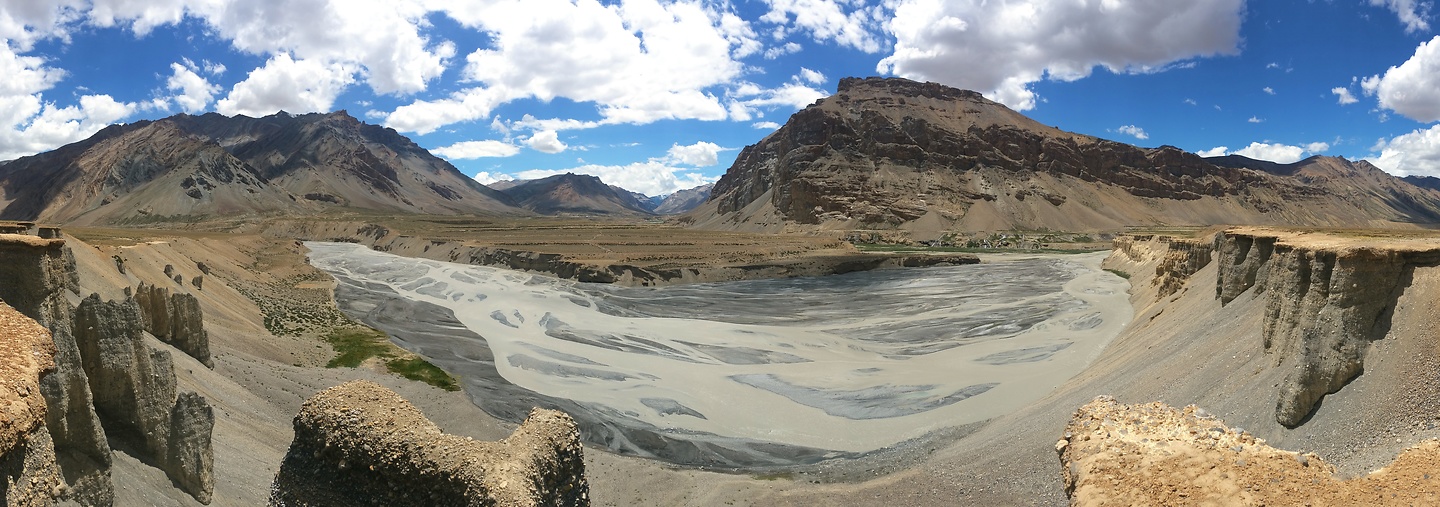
[
  {"x": 175, "y": 318},
  {"x": 28, "y": 467},
  {"x": 893, "y": 153},
  {"x": 136, "y": 395},
  {"x": 362, "y": 444},
  {"x": 1153, "y": 454},
  {"x": 1328, "y": 297}
]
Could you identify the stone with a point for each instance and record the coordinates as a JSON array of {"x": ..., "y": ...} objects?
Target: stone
[{"x": 362, "y": 444}]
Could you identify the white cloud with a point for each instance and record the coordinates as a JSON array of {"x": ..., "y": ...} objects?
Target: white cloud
[
  {"x": 1132, "y": 130},
  {"x": 700, "y": 154},
  {"x": 1413, "y": 88},
  {"x": 1343, "y": 95},
  {"x": 782, "y": 50},
  {"x": 1269, "y": 91},
  {"x": 1317, "y": 147},
  {"x": 466, "y": 150},
  {"x": 1256, "y": 119},
  {"x": 546, "y": 141},
  {"x": 29, "y": 124},
  {"x": 486, "y": 178},
  {"x": 1218, "y": 151},
  {"x": 639, "y": 61},
  {"x": 1415, "y": 153},
  {"x": 652, "y": 177},
  {"x": 830, "y": 21},
  {"x": 1272, "y": 65},
  {"x": 1412, "y": 13},
  {"x": 1191, "y": 102},
  {"x": 295, "y": 86},
  {"x": 748, "y": 99},
  {"x": 196, "y": 92},
  {"x": 1001, "y": 48},
  {"x": 810, "y": 76},
  {"x": 765, "y": 125}
]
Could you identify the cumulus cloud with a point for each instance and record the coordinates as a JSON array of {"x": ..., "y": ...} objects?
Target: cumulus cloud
[
  {"x": 1343, "y": 95},
  {"x": 546, "y": 141},
  {"x": 1132, "y": 130},
  {"x": 486, "y": 178},
  {"x": 1218, "y": 151},
  {"x": 286, "y": 84},
  {"x": 700, "y": 154},
  {"x": 1273, "y": 152},
  {"x": 1413, "y": 14},
  {"x": 782, "y": 50},
  {"x": 1002, "y": 48},
  {"x": 639, "y": 61},
  {"x": 748, "y": 100},
  {"x": 466, "y": 150},
  {"x": 846, "y": 23},
  {"x": 1416, "y": 153},
  {"x": 765, "y": 125},
  {"x": 652, "y": 177},
  {"x": 1256, "y": 119},
  {"x": 195, "y": 92},
  {"x": 29, "y": 124},
  {"x": 1413, "y": 88},
  {"x": 1269, "y": 91}
]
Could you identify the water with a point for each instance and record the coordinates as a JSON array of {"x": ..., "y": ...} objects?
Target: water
[{"x": 745, "y": 374}]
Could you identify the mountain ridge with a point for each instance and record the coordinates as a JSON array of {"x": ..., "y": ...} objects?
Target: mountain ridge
[{"x": 889, "y": 153}]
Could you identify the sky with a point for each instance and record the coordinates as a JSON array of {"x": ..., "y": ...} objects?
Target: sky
[{"x": 660, "y": 95}]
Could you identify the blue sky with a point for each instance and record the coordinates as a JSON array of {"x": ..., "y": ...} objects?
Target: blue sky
[{"x": 658, "y": 95}]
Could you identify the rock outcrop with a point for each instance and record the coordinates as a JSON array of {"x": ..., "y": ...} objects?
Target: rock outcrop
[
  {"x": 135, "y": 394},
  {"x": 39, "y": 277},
  {"x": 362, "y": 444},
  {"x": 894, "y": 153},
  {"x": 1178, "y": 258},
  {"x": 29, "y": 474},
  {"x": 1153, "y": 454},
  {"x": 578, "y": 194},
  {"x": 175, "y": 318},
  {"x": 1327, "y": 299}
]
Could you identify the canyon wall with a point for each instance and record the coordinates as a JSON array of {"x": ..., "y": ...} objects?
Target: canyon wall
[
  {"x": 29, "y": 474},
  {"x": 1327, "y": 297},
  {"x": 362, "y": 444},
  {"x": 175, "y": 318},
  {"x": 107, "y": 383}
]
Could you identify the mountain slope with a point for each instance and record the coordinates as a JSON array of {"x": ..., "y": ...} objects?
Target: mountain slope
[
  {"x": 684, "y": 200},
  {"x": 894, "y": 153},
  {"x": 576, "y": 193},
  {"x": 192, "y": 168}
]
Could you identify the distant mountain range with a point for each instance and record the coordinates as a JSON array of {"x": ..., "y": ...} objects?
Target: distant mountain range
[
  {"x": 898, "y": 154},
  {"x": 879, "y": 154},
  {"x": 186, "y": 168},
  {"x": 584, "y": 194}
]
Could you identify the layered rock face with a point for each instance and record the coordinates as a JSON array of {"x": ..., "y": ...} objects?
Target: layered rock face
[
  {"x": 29, "y": 474},
  {"x": 1327, "y": 299},
  {"x": 888, "y": 152},
  {"x": 40, "y": 275},
  {"x": 1152, "y": 454},
  {"x": 175, "y": 319},
  {"x": 362, "y": 444},
  {"x": 135, "y": 394},
  {"x": 1178, "y": 258},
  {"x": 577, "y": 193}
]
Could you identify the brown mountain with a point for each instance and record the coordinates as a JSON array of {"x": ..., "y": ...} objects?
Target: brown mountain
[
  {"x": 684, "y": 200},
  {"x": 576, "y": 194},
  {"x": 188, "y": 168},
  {"x": 894, "y": 153}
]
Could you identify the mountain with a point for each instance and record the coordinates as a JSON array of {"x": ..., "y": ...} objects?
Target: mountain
[
  {"x": 1429, "y": 182},
  {"x": 576, "y": 193},
  {"x": 684, "y": 200},
  {"x": 898, "y": 154},
  {"x": 188, "y": 168}
]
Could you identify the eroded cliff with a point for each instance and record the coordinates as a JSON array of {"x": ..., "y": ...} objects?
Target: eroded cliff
[
  {"x": 175, "y": 318},
  {"x": 1328, "y": 296},
  {"x": 29, "y": 474},
  {"x": 362, "y": 444}
]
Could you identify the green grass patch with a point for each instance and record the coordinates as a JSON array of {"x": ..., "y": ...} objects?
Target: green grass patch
[
  {"x": 420, "y": 370},
  {"x": 354, "y": 345},
  {"x": 1119, "y": 273}
]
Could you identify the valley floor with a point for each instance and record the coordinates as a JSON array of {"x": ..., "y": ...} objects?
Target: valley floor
[{"x": 1182, "y": 348}]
